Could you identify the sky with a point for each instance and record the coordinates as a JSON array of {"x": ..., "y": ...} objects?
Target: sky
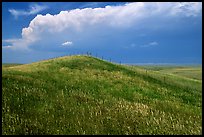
[{"x": 127, "y": 32}]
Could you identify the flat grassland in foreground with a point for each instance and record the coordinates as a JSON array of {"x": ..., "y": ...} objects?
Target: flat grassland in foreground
[{"x": 86, "y": 95}]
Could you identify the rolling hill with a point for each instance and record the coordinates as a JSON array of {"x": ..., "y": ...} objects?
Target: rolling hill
[{"x": 86, "y": 95}]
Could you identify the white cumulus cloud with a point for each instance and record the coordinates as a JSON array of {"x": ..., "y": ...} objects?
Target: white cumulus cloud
[
  {"x": 67, "y": 43},
  {"x": 84, "y": 21}
]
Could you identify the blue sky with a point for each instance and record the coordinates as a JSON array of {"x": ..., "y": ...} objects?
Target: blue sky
[{"x": 136, "y": 32}]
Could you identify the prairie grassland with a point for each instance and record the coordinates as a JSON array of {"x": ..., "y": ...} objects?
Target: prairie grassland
[
  {"x": 4, "y": 65},
  {"x": 85, "y": 95},
  {"x": 194, "y": 72}
]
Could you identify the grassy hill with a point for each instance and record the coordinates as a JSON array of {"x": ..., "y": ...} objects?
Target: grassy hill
[{"x": 86, "y": 95}]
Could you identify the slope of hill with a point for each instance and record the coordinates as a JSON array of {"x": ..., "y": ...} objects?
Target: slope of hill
[{"x": 86, "y": 95}]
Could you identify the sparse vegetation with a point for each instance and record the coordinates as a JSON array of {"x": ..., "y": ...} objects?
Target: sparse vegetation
[{"x": 86, "y": 95}]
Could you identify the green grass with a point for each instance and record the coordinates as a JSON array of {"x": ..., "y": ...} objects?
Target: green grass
[
  {"x": 193, "y": 72},
  {"x": 4, "y": 65},
  {"x": 86, "y": 95}
]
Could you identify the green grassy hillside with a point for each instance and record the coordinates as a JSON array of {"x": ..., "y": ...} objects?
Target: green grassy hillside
[{"x": 85, "y": 95}]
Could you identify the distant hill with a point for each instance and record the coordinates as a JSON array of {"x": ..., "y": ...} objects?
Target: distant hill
[{"x": 87, "y": 95}]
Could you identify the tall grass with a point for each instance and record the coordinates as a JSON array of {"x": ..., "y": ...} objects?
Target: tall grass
[{"x": 86, "y": 95}]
